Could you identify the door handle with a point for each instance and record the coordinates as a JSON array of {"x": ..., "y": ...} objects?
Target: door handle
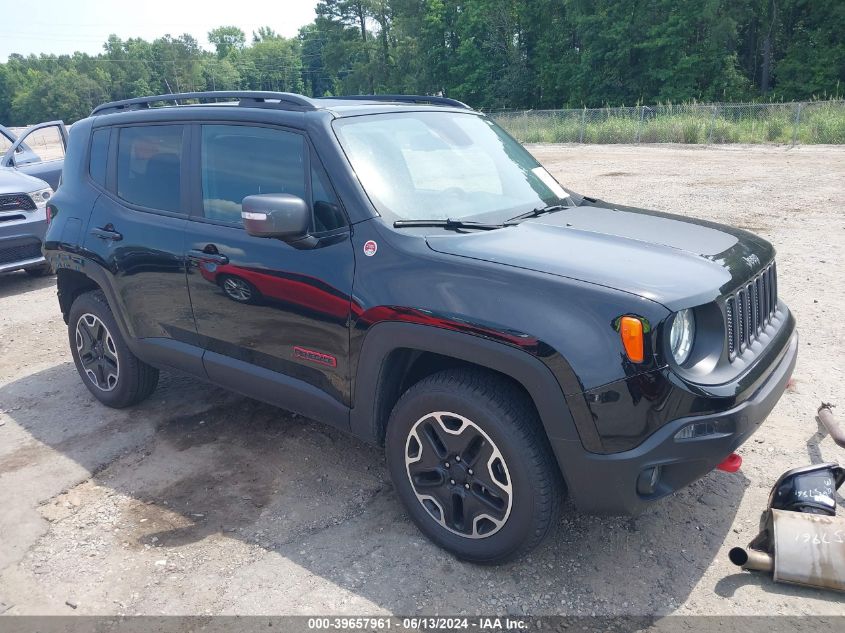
[
  {"x": 107, "y": 233},
  {"x": 202, "y": 256}
]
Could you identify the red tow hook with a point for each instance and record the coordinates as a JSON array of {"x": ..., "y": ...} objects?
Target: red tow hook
[{"x": 731, "y": 463}]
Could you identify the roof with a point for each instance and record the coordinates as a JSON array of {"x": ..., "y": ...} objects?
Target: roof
[{"x": 280, "y": 101}]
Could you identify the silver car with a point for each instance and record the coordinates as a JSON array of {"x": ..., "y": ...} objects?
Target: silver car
[{"x": 23, "y": 222}]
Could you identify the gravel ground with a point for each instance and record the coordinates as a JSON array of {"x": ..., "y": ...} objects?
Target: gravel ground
[{"x": 202, "y": 502}]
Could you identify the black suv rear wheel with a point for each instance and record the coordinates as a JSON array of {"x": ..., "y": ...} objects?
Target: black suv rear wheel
[
  {"x": 108, "y": 368},
  {"x": 469, "y": 461}
]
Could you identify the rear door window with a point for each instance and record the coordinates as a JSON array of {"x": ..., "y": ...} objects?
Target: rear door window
[{"x": 149, "y": 166}]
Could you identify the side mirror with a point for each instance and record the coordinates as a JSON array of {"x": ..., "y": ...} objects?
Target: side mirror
[{"x": 279, "y": 215}]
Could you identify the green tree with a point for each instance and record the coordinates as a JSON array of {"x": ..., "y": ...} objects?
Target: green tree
[
  {"x": 316, "y": 79},
  {"x": 490, "y": 53},
  {"x": 5, "y": 95},
  {"x": 225, "y": 39},
  {"x": 65, "y": 94},
  {"x": 264, "y": 33},
  {"x": 812, "y": 63},
  {"x": 176, "y": 62},
  {"x": 272, "y": 64},
  {"x": 220, "y": 74},
  {"x": 351, "y": 60}
]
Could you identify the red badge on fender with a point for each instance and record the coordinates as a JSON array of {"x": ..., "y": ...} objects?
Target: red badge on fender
[
  {"x": 370, "y": 248},
  {"x": 315, "y": 357}
]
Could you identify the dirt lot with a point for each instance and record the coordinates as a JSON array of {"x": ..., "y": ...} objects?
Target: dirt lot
[{"x": 200, "y": 501}]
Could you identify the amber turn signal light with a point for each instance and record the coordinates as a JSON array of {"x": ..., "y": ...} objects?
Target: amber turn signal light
[{"x": 631, "y": 331}]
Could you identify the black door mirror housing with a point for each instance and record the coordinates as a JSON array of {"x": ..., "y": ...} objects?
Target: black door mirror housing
[{"x": 280, "y": 215}]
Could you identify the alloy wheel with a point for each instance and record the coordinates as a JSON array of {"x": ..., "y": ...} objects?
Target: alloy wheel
[
  {"x": 97, "y": 352},
  {"x": 458, "y": 474},
  {"x": 237, "y": 289}
]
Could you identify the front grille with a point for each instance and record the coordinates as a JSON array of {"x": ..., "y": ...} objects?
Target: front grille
[
  {"x": 749, "y": 310},
  {"x": 11, "y": 254},
  {"x": 16, "y": 202}
]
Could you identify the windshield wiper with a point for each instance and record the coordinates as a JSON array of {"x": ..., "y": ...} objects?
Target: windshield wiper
[
  {"x": 448, "y": 223},
  {"x": 536, "y": 212}
]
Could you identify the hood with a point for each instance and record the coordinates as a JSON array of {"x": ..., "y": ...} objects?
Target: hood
[
  {"x": 676, "y": 261},
  {"x": 14, "y": 181}
]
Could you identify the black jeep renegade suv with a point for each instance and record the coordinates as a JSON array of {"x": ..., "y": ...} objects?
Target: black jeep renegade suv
[{"x": 401, "y": 268}]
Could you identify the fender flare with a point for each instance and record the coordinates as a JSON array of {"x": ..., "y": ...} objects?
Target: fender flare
[
  {"x": 386, "y": 337},
  {"x": 159, "y": 352},
  {"x": 94, "y": 272}
]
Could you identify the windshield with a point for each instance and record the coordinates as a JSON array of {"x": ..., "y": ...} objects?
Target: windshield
[{"x": 438, "y": 165}]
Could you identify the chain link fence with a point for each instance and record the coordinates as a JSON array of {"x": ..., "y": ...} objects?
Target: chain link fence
[{"x": 782, "y": 123}]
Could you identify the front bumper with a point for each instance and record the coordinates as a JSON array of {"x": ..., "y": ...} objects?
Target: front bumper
[
  {"x": 607, "y": 484},
  {"x": 20, "y": 245}
]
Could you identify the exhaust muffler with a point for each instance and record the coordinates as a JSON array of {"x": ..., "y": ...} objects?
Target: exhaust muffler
[
  {"x": 808, "y": 549},
  {"x": 801, "y": 541}
]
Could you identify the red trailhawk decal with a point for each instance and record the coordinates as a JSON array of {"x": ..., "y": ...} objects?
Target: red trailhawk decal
[{"x": 315, "y": 357}]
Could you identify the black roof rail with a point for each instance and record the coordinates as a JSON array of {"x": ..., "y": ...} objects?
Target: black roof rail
[
  {"x": 444, "y": 101},
  {"x": 255, "y": 98}
]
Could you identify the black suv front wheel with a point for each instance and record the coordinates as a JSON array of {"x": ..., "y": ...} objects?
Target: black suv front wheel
[
  {"x": 108, "y": 368},
  {"x": 468, "y": 457}
]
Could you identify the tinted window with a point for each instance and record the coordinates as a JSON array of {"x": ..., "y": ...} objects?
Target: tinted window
[
  {"x": 327, "y": 212},
  {"x": 99, "y": 156},
  {"x": 149, "y": 165},
  {"x": 238, "y": 161}
]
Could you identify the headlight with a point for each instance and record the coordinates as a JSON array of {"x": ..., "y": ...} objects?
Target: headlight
[
  {"x": 41, "y": 197},
  {"x": 682, "y": 335}
]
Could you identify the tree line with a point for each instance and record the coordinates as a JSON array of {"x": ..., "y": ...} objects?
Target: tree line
[{"x": 492, "y": 54}]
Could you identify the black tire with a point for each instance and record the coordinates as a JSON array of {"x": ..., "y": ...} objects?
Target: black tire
[
  {"x": 39, "y": 271},
  {"x": 501, "y": 413},
  {"x": 133, "y": 380}
]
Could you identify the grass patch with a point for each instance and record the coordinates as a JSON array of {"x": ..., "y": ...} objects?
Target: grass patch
[{"x": 819, "y": 122}]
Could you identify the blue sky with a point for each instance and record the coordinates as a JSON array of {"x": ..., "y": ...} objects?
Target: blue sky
[{"x": 64, "y": 26}]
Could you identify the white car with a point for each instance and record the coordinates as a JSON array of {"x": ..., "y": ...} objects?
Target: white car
[{"x": 23, "y": 222}]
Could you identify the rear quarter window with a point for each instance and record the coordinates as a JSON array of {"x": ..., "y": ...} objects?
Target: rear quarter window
[{"x": 99, "y": 156}]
